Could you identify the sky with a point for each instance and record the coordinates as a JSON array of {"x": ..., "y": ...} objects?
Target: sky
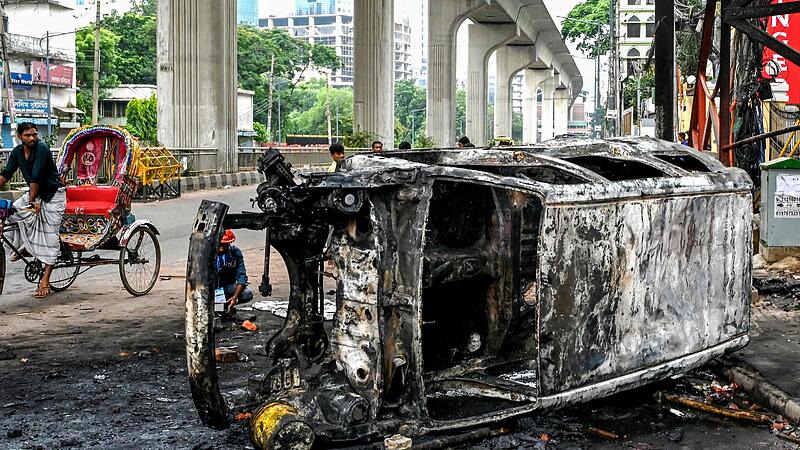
[{"x": 558, "y": 9}]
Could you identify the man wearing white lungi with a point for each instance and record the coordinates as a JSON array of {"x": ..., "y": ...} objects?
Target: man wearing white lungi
[{"x": 40, "y": 210}]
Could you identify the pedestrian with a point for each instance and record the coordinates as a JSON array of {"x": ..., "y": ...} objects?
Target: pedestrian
[
  {"x": 682, "y": 138},
  {"x": 464, "y": 141},
  {"x": 232, "y": 273},
  {"x": 337, "y": 155},
  {"x": 405, "y": 145},
  {"x": 40, "y": 210},
  {"x": 377, "y": 146}
]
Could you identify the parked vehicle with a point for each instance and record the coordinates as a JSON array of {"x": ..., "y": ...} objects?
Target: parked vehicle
[{"x": 97, "y": 162}]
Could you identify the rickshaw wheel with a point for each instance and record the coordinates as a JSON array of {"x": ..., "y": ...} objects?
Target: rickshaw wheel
[
  {"x": 140, "y": 261},
  {"x": 63, "y": 277},
  {"x": 33, "y": 271}
]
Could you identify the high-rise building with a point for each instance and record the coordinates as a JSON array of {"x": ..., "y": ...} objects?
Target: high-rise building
[
  {"x": 336, "y": 31},
  {"x": 322, "y": 7},
  {"x": 247, "y": 12}
]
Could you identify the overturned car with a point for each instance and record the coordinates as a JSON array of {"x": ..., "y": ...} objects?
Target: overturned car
[{"x": 474, "y": 286}]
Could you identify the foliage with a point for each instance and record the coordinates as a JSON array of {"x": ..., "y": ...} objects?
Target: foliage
[
  {"x": 425, "y": 142},
  {"x": 516, "y": 126},
  {"x": 84, "y": 57},
  {"x": 314, "y": 120},
  {"x": 257, "y": 46},
  {"x": 144, "y": 7},
  {"x": 261, "y": 132},
  {"x": 409, "y": 110},
  {"x": 461, "y": 112},
  {"x": 648, "y": 83},
  {"x": 84, "y": 103},
  {"x": 358, "y": 139},
  {"x": 580, "y": 26},
  {"x": 142, "y": 119},
  {"x": 137, "y": 45}
]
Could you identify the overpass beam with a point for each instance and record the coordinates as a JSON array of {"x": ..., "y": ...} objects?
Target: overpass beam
[
  {"x": 510, "y": 60},
  {"x": 373, "y": 71},
  {"x": 444, "y": 18},
  {"x": 197, "y": 105},
  {"x": 483, "y": 40},
  {"x": 530, "y": 116}
]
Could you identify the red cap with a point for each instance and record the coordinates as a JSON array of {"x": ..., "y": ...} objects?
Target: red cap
[{"x": 228, "y": 237}]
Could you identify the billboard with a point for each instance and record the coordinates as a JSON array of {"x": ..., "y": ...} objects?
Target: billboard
[
  {"x": 21, "y": 81},
  {"x": 785, "y": 28},
  {"x": 59, "y": 75},
  {"x": 30, "y": 106}
]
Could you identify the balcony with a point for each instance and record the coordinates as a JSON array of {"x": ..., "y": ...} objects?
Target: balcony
[{"x": 29, "y": 46}]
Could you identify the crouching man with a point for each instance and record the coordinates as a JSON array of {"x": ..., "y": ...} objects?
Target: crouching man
[{"x": 232, "y": 273}]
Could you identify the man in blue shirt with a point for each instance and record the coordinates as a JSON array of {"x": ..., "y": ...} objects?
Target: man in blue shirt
[
  {"x": 39, "y": 211},
  {"x": 231, "y": 272}
]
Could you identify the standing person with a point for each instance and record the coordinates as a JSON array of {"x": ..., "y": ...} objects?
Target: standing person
[
  {"x": 39, "y": 211},
  {"x": 682, "y": 138},
  {"x": 337, "y": 155},
  {"x": 464, "y": 141},
  {"x": 405, "y": 145},
  {"x": 377, "y": 146},
  {"x": 231, "y": 272}
]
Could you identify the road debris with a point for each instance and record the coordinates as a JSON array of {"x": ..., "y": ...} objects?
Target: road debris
[
  {"x": 603, "y": 433},
  {"x": 249, "y": 326},
  {"x": 226, "y": 355},
  {"x": 725, "y": 412},
  {"x": 397, "y": 442}
]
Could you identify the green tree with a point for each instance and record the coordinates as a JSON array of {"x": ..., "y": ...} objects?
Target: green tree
[
  {"x": 461, "y": 112},
  {"x": 136, "y": 47},
  {"x": 84, "y": 62},
  {"x": 424, "y": 141},
  {"x": 144, "y": 7},
  {"x": 142, "y": 119},
  {"x": 580, "y": 26},
  {"x": 261, "y": 132},
  {"x": 516, "y": 126},
  {"x": 409, "y": 109},
  {"x": 256, "y": 48},
  {"x": 647, "y": 83},
  {"x": 314, "y": 120}
]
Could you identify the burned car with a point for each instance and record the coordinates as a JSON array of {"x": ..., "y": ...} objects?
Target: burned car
[{"x": 478, "y": 285}]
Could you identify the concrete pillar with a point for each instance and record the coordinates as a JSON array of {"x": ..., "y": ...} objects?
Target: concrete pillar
[
  {"x": 373, "y": 71},
  {"x": 510, "y": 60},
  {"x": 530, "y": 117},
  {"x": 444, "y": 18},
  {"x": 548, "y": 87},
  {"x": 561, "y": 102},
  {"x": 197, "y": 80},
  {"x": 483, "y": 40}
]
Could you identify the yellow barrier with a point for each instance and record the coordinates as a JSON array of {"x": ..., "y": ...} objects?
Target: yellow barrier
[{"x": 156, "y": 164}]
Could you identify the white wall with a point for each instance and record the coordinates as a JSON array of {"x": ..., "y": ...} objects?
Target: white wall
[{"x": 244, "y": 108}]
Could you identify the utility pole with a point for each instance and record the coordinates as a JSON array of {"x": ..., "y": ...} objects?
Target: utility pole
[
  {"x": 664, "y": 55},
  {"x": 596, "y": 120},
  {"x": 96, "y": 77},
  {"x": 271, "y": 90},
  {"x": 328, "y": 105},
  {"x": 8, "y": 91},
  {"x": 612, "y": 70}
]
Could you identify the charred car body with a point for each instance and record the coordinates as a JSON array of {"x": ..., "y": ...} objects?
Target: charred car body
[{"x": 509, "y": 280}]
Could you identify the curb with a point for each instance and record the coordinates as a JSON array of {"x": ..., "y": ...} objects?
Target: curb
[
  {"x": 760, "y": 389},
  {"x": 215, "y": 181}
]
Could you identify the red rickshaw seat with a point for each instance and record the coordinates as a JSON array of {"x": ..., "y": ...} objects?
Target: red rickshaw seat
[{"x": 91, "y": 200}]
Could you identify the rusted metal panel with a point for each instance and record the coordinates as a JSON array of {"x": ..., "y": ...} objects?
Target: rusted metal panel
[{"x": 632, "y": 284}]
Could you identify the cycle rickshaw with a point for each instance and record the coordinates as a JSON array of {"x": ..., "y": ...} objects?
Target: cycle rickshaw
[{"x": 99, "y": 161}]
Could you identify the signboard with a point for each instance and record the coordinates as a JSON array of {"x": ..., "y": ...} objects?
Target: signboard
[
  {"x": 22, "y": 81},
  {"x": 30, "y": 106},
  {"x": 785, "y": 28},
  {"x": 34, "y": 120},
  {"x": 59, "y": 75},
  {"x": 611, "y": 114},
  {"x": 787, "y": 196}
]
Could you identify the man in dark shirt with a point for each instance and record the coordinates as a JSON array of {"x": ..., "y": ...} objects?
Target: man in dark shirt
[
  {"x": 231, "y": 272},
  {"x": 39, "y": 211}
]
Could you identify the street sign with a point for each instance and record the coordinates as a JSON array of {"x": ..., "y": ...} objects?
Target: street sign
[{"x": 611, "y": 114}]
